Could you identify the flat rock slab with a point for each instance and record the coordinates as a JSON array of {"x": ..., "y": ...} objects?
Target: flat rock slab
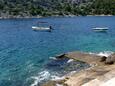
[
  {"x": 85, "y": 57},
  {"x": 92, "y": 76}
]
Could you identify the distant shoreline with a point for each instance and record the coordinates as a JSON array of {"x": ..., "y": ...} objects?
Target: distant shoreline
[
  {"x": 26, "y": 17},
  {"x": 20, "y": 17}
]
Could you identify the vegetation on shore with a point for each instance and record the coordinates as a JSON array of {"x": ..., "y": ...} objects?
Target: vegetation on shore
[{"x": 30, "y": 8}]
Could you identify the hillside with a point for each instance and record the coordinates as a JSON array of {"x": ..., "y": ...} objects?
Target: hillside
[{"x": 29, "y": 8}]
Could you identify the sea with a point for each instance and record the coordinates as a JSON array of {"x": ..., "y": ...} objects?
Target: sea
[{"x": 27, "y": 57}]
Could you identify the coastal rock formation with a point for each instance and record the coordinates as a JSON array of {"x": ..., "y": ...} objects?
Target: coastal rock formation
[
  {"x": 97, "y": 75},
  {"x": 101, "y": 72}
]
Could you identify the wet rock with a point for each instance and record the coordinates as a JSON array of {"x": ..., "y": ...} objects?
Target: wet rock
[
  {"x": 60, "y": 56},
  {"x": 103, "y": 58}
]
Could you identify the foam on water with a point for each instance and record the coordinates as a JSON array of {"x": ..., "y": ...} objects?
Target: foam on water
[
  {"x": 104, "y": 53},
  {"x": 70, "y": 60},
  {"x": 44, "y": 75},
  {"x": 53, "y": 58}
]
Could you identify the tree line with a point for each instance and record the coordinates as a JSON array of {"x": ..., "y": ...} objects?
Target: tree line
[{"x": 56, "y": 7}]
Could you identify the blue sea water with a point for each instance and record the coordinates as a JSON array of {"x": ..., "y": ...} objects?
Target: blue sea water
[{"x": 25, "y": 54}]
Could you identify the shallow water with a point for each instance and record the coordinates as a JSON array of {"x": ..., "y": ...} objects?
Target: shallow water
[{"x": 25, "y": 53}]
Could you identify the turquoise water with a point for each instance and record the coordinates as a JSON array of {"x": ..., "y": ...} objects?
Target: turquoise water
[{"x": 25, "y": 54}]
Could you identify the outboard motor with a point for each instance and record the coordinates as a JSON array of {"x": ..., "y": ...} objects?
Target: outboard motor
[{"x": 51, "y": 27}]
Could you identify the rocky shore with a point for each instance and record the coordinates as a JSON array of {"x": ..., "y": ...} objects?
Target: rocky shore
[{"x": 101, "y": 72}]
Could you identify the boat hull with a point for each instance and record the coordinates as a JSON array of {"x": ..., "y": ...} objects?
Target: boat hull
[
  {"x": 100, "y": 29},
  {"x": 41, "y": 28}
]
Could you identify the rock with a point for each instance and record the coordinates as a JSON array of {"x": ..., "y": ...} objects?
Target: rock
[
  {"x": 113, "y": 57},
  {"x": 103, "y": 58},
  {"x": 110, "y": 59},
  {"x": 50, "y": 83},
  {"x": 60, "y": 56}
]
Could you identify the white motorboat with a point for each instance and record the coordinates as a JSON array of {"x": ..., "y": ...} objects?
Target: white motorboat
[
  {"x": 42, "y": 27},
  {"x": 99, "y": 29}
]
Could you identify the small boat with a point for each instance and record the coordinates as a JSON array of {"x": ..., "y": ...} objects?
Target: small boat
[
  {"x": 99, "y": 29},
  {"x": 42, "y": 28}
]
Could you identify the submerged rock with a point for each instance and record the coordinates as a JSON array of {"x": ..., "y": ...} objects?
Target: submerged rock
[{"x": 60, "y": 56}]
